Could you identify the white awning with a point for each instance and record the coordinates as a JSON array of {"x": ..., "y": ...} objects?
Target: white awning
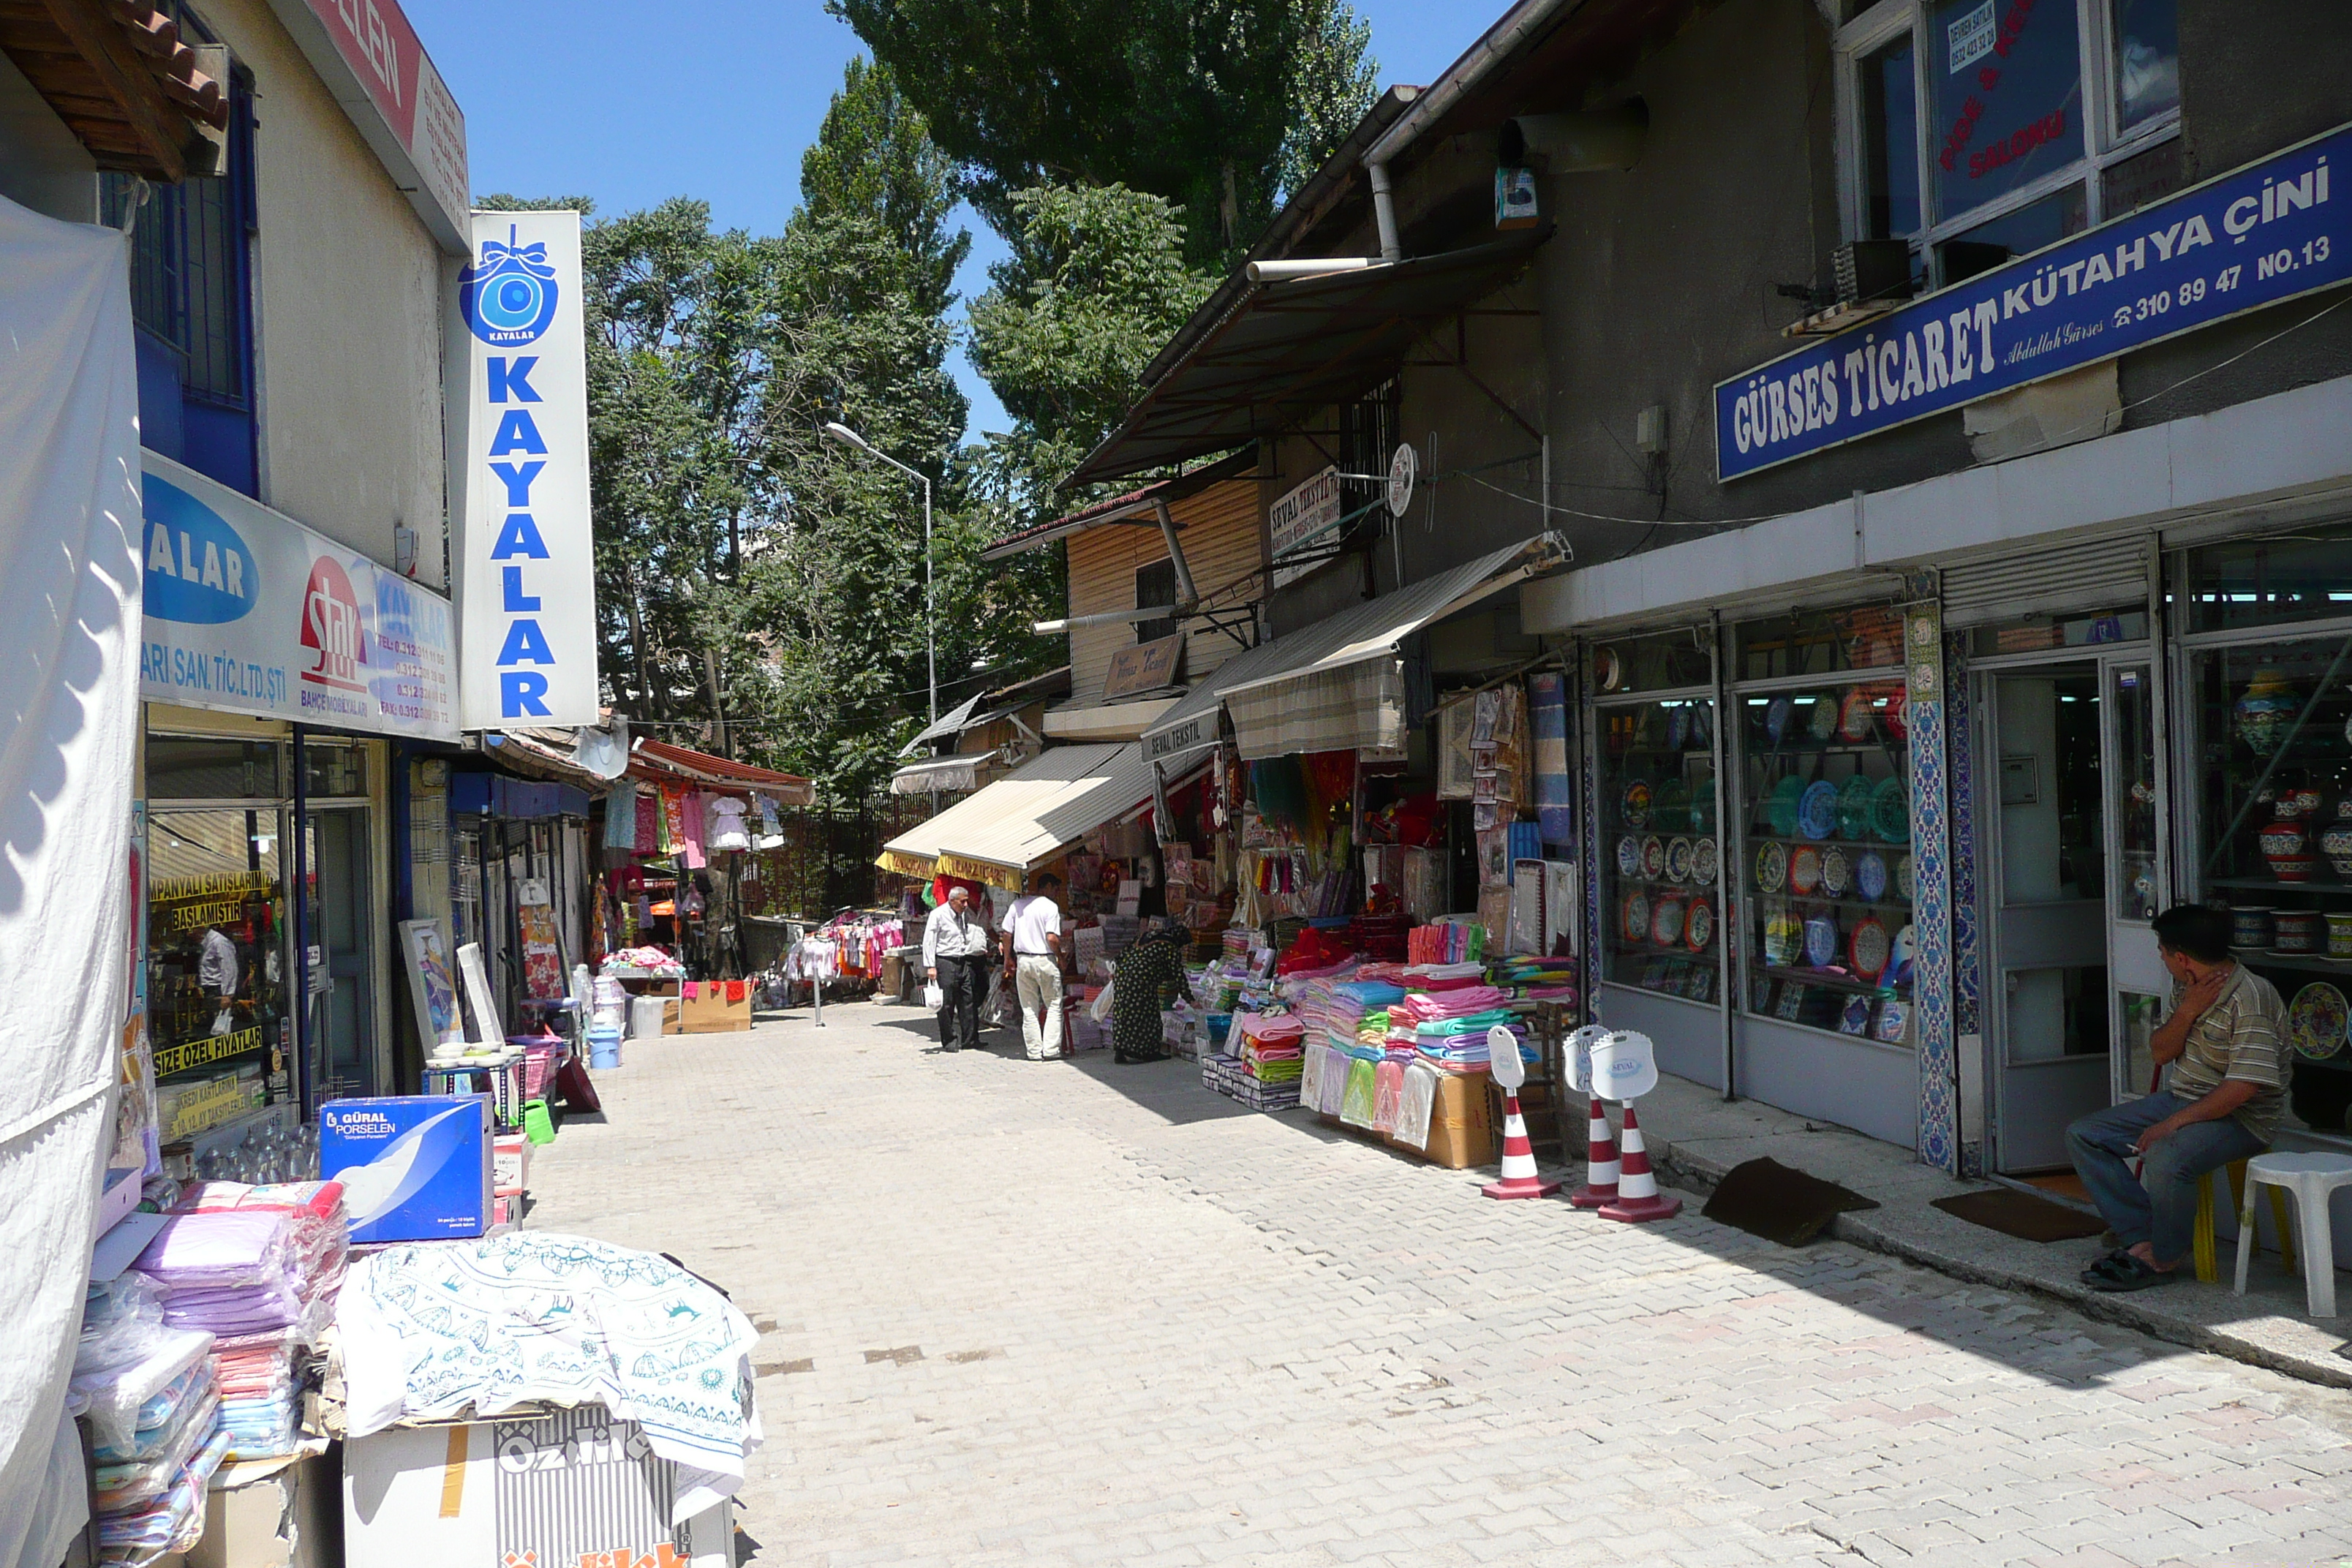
[
  {"x": 1019, "y": 793},
  {"x": 1114, "y": 782},
  {"x": 1106, "y": 720},
  {"x": 955, "y": 773}
]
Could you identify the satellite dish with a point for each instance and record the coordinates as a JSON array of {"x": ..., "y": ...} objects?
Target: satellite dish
[
  {"x": 1624, "y": 1066},
  {"x": 1577, "y": 1054},
  {"x": 1405, "y": 468},
  {"x": 1503, "y": 1059}
]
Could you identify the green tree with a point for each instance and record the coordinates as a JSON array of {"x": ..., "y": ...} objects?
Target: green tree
[{"x": 1216, "y": 105}]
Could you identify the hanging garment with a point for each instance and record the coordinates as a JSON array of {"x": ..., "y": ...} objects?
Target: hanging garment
[
  {"x": 646, "y": 840},
  {"x": 723, "y": 818},
  {"x": 690, "y": 830},
  {"x": 673, "y": 819},
  {"x": 621, "y": 816}
]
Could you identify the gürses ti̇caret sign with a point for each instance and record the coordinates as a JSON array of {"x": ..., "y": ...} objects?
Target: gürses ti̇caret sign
[{"x": 2265, "y": 233}]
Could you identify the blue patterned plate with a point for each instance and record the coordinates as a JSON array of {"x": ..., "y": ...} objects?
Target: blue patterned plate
[
  {"x": 1817, "y": 810},
  {"x": 1892, "y": 808},
  {"x": 1869, "y": 874},
  {"x": 1821, "y": 941}
]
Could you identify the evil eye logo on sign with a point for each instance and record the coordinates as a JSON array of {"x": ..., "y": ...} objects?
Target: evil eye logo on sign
[
  {"x": 508, "y": 297},
  {"x": 197, "y": 569}
]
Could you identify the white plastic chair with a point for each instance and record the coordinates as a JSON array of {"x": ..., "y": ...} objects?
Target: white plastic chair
[{"x": 2311, "y": 1178}]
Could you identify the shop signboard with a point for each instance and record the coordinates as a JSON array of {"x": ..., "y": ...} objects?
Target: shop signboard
[
  {"x": 1304, "y": 516},
  {"x": 518, "y": 445},
  {"x": 249, "y": 612},
  {"x": 2269, "y": 232}
]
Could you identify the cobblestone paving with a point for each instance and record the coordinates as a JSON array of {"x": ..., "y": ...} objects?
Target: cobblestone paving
[{"x": 1066, "y": 1313}]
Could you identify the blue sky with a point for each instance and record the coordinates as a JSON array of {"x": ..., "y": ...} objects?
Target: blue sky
[{"x": 630, "y": 103}]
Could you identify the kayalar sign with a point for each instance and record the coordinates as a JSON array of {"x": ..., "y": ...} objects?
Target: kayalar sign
[
  {"x": 2266, "y": 233},
  {"x": 519, "y": 444}
]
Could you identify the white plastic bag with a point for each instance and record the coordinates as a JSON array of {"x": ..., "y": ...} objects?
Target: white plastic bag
[
  {"x": 1099, "y": 1008},
  {"x": 933, "y": 996}
]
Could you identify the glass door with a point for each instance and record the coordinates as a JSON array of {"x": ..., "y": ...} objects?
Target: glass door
[
  {"x": 342, "y": 956},
  {"x": 2136, "y": 872},
  {"x": 2047, "y": 864}
]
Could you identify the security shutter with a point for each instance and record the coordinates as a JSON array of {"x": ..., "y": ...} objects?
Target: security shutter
[{"x": 2096, "y": 574}]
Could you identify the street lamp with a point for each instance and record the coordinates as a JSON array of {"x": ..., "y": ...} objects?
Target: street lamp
[{"x": 843, "y": 435}]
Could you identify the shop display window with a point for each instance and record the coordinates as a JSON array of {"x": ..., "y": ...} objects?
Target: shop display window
[
  {"x": 217, "y": 963},
  {"x": 1819, "y": 642},
  {"x": 1826, "y": 853},
  {"x": 1664, "y": 661},
  {"x": 2273, "y": 840},
  {"x": 2036, "y": 634},
  {"x": 2303, "y": 576},
  {"x": 1661, "y": 849}
]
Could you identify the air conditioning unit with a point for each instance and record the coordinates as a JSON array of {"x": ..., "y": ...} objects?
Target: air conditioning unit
[{"x": 1872, "y": 269}]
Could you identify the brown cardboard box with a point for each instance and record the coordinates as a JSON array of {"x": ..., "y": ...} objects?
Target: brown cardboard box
[
  {"x": 1461, "y": 1122},
  {"x": 282, "y": 1518},
  {"x": 709, "y": 1012}
]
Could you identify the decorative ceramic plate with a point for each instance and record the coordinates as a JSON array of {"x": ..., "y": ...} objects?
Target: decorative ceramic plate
[
  {"x": 1629, "y": 856},
  {"x": 1892, "y": 811},
  {"x": 1776, "y": 718},
  {"x": 1837, "y": 872},
  {"x": 1705, "y": 863},
  {"x": 1868, "y": 948},
  {"x": 1898, "y": 716},
  {"x": 1698, "y": 925},
  {"x": 1899, "y": 960},
  {"x": 1855, "y": 1017},
  {"x": 1893, "y": 1021},
  {"x": 1666, "y": 922},
  {"x": 1869, "y": 874},
  {"x": 1823, "y": 718},
  {"x": 1653, "y": 857},
  {"x": 1780, "y": 805},
  {"x": 1817, "y": 810},
  {"x": 1702, "y": 725},
  {"x": 1635, "y": 804},
  {"x": 2316, "y": 1021},
  {"x": 1853, "y": 804},
  {"x": 1805, "y": 870},
  {"x": 1678, "y": 727},
  {"x": 1608, "y": 669},
  {"x": 1821, "y": 941},
  {"x": 1633, "y": 916},
  {"x": 1854, "y": 715},
  {"x": 1782, "y": 937},
  {"x": 1772, "y": 866},
  {"x": 1905, "y": 882},
  {"x": 1678, "y": 860}
]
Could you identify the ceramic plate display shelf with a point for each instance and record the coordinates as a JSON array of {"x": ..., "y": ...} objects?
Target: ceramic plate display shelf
[
  {"x": 1780, "y": 806},
  {"x": 1776, "y": 711},
  {"x": 1705, "y": 863},
  {"x": 1855, "y": 716},
  {"x": 1868, "y": 947},
  {"x": 1870, "y": 876},
  {"x": 1678, "y": 860},
  {"x": 1892, "y": 811},
  {"x": 1633, "y": 916},
  {"x": 1698, "y": 925},
  {"x": 1782, "y": 936},
  {"x": 1853, "y": 808},
  {"x": 1820, "y": 940},
  {"x": 1893, "y": 1021},
  {"x": 1666, "y": 922},
  {"x": 1629, "y": 856},
  {"x": 1805, "y": 870},
  {"x": 1771, "y": 867},
  {"x": 2316, "y": 1021},
  {"x": 1635, "y": 804},
  {"x": 1822, "y": 720},
  {"x": 1817, "y": 810},
  {"x": 1854, "y": 1019},
  {"x": 1653, "y": 857},
  {"x": 1905, "y": 879},
  {"x": 1837, "y": 872}
]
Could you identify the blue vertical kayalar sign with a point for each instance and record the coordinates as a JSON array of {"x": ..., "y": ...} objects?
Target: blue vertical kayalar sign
[{"x": 2265, "y": 233}]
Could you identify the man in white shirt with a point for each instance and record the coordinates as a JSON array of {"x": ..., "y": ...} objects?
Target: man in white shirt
[
  {"x": 1033, "y": 961},
  {"x": 956, "y": 942}
]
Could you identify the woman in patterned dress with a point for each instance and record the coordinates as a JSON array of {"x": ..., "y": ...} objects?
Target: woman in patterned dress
[{"x": 1152, "y": 969}]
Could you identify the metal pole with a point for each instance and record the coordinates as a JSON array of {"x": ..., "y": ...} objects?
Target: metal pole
[
  {"x": 930, "y": 624},
  {"x": 300, "y": 1083}
]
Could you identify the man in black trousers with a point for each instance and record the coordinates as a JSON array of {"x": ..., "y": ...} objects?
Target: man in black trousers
[{"x": 956, "y": 944}]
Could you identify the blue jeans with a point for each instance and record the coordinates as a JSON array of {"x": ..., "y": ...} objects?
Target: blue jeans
[{"x": 2159, "y": 1206}]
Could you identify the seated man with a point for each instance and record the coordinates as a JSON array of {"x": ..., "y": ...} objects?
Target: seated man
[{"x": 2227, "y": 1092}]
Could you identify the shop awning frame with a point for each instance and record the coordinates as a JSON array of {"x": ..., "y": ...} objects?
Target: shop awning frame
[{"x": 1027, "y": 789}]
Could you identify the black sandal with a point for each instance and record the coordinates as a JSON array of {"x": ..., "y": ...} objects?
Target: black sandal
[{"x": 2134, "y": 1275}]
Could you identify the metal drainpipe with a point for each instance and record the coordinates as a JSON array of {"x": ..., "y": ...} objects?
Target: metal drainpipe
[{"x": 1186, "y": 594}]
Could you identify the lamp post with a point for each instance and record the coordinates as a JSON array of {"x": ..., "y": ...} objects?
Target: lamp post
[{"x": 842, "y": 434}]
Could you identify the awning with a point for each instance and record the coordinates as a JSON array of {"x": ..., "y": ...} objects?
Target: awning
[
  {"x": 954, "y": 722},
  {"x": 1335, "y": 685},
  {"x": 1024, "y": 791},
  {"x": 956, "y": 773},
  {"x": 1117, "y": 782},
  {"x": 1289, "y": 348},
  {"x": 1106, "y": 720}
]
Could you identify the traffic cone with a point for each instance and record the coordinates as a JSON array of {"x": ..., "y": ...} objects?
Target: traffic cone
[
  {"x": 1637, "y": 1192},
  {"x": 1519, "y": 1177},
  {"x": 1599, "y": 1162}
]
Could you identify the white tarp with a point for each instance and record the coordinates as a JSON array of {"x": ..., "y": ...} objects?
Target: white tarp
[{"x": 69, "y": 597}]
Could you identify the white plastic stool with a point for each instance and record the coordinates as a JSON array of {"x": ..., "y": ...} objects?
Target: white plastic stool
[{"x": 2311, "y": 1178}]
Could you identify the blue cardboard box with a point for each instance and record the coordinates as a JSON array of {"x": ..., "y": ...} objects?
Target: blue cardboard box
[{"x": 413, "y": 1167}]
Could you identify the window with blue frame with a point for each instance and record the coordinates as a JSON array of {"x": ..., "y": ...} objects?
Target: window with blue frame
[{"x": 192, "y": 300}]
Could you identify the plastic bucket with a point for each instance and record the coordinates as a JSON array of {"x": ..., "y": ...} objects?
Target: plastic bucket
[{"x": 604, "y": 1048}]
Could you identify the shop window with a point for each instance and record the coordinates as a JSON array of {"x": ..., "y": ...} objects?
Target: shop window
[
  {"x": 2272, "y": 841},
  {"x": 1661, "y": 860},
  {"x": 2040, "y": 633},
  {"x": 1155, "y": 585},
  {"x": 1819, "y": 642},
  {"x": 331, "y": 770},
  {"x": 218, "y": 960},
  {"x": 2301, "y": 577},
  {"x": 215, "y": 770},
  {"x": 2031, "y": 119},
  {"x": 1826, "y": 852},
  {"x": 1662, "y": 662}
]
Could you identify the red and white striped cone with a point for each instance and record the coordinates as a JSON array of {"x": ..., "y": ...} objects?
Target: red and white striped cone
[
  {"x": 1519, "y": 1177},
  {"x": 1637, "y": 1189},
  {"x": 1599, "y": 1162}
]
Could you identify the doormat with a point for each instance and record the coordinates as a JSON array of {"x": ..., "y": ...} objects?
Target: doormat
[
  {"x": 2022, "y": 1216},
  {"x": 1766, "y": 1198}
]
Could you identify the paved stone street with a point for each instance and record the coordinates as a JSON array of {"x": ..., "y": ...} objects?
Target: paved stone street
[{"x": 1072, "y": 1313}]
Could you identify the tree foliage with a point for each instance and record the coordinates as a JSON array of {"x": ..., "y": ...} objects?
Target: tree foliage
[{"x": 1216, "y": 105}]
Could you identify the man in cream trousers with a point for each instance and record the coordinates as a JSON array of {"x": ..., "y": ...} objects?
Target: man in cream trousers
[{"x": 1033, "y": 961}]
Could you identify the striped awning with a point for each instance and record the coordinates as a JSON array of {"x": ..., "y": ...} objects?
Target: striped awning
[{"x": 1356, "y": 706}]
